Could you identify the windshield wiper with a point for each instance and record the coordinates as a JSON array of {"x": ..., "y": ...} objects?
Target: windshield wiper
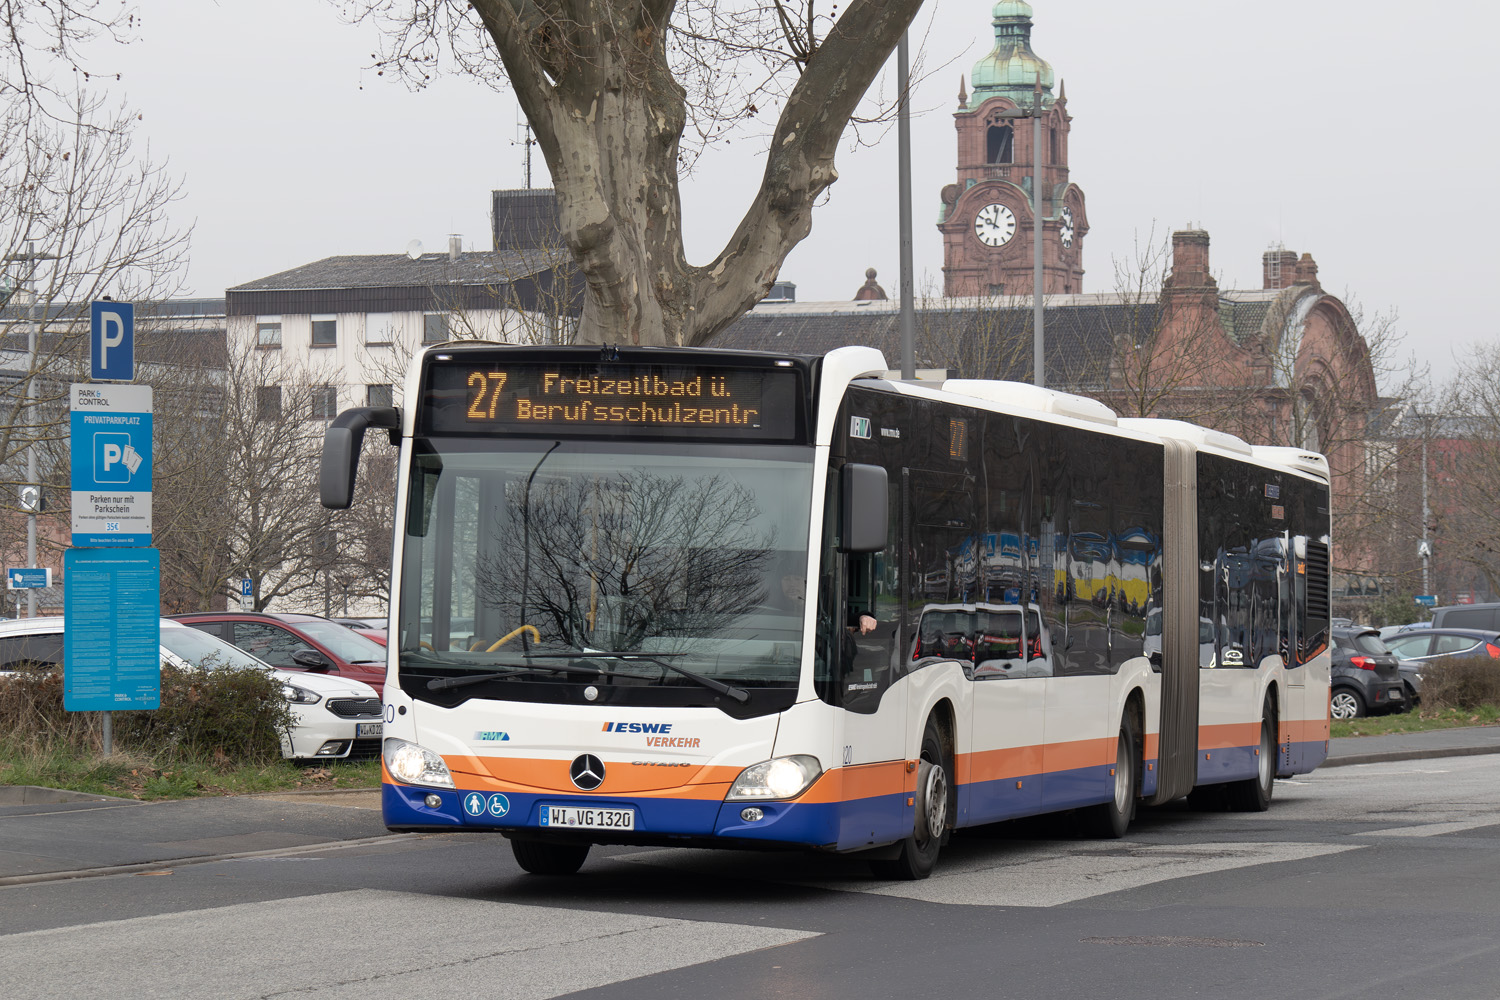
[
  {"x": 512, "y": 670},
  {"x": 660, "y": 659}
]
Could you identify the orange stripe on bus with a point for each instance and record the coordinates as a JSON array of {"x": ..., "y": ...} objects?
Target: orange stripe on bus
[
  {"x": 1078, "y": 754},
  {"x": 1228, "y": 735},
  {"x": 542, "y": 775},
  {"x": 992, "y": 765}
]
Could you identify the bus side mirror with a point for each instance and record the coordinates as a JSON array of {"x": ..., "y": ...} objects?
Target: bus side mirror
[
  {"x": 341, "y": 446},
  {"x": 866, "y": 508}
]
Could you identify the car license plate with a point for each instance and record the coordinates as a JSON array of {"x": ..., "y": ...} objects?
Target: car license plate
[
  {"x": 588, "y": 818},
  {"x": 367, "y": 728},
  {"x": 1397, "y": 694}
]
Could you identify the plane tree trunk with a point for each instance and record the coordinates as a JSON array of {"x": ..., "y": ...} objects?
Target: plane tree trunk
[{"x": 593, "y": 77}]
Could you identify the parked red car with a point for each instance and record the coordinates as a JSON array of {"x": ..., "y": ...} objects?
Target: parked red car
[{"x": 298, "y": 642}]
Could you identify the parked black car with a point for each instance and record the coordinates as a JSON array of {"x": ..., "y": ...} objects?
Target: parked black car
[
  {"x": 1366, "y": 679},
  {"x": 1480, "y": 616},
  {"x": 1422, "y": 646}
]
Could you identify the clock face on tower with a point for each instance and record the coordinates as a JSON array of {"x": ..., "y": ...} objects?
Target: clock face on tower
[
  {"x": 995, "y": 225},
  {"x": 1065, "y": 230}
]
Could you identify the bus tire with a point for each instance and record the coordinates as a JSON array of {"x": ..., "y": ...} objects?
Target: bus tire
[
  {"x": 1109, "y": 820},
  {"x": 542, "y": 857},
  {"x": 919, "y": 851},
  {"x": 1254, "y": 794}
]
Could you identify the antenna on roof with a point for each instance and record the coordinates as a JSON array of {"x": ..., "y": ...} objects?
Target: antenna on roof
[{"x": 414, "y": 249}]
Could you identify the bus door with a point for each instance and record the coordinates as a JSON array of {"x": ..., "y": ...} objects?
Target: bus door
[
  {"x": 948, "y": 574},
  {"x": 1005, "y": 762},
  {"x": 859, "y": 626}
]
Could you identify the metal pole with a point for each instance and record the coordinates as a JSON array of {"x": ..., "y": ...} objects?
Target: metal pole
[
  {"x": 1426, "y": 543},
  {"x": 1038, "y": 337},
  {"x": 30, "y": 421},
  {"x": 109, "y": 734},
  {"x": 903, "y": 147}
]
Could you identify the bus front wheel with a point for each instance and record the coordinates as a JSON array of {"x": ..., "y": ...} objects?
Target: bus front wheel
[
  {"x": 540, "y": 857},
  {"x": 919, "y": 851}
]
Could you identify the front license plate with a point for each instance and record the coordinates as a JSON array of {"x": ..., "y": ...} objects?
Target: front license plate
[
  {"x": 367, "y": 728},
  {"x": 586, "y": 818}
]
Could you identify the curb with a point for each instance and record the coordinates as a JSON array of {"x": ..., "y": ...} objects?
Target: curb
[
  {"x": 157, "y": 866},
  {"x": 308, "y": 791},
  {"x": 1389, "y": 755},
  {"x": 41, "y": 795}
]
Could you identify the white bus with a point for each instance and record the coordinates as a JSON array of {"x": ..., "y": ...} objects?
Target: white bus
[{"x": 701, "y": 598}]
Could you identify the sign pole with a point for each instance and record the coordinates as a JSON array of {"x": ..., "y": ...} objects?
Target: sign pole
[{"x": 109, "y": 741}]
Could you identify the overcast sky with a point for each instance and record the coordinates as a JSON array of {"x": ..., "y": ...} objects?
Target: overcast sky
[{"x": 1359, "y": 132}]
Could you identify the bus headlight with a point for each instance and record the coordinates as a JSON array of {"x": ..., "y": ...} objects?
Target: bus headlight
[
  {"x": 778, "y": 778},
  {"x": 415, "y": 765}
]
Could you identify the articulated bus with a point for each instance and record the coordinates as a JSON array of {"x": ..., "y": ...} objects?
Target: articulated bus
[{"x": 662, "y": 596}]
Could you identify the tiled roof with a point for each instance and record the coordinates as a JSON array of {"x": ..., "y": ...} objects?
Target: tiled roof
[
  {"x": 477, "y": 267},
  {"x": 971, "y": 338}
]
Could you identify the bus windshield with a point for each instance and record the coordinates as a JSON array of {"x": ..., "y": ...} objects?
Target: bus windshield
[{"x": 609, "y": 559}]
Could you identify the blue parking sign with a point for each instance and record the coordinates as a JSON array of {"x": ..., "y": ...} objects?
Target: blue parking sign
[
  {"x": 112, "y": 341},
  {"x": 110, "y": 431}
]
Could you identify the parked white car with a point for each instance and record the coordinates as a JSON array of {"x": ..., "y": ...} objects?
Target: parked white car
[{"x": 333, "y": 717}]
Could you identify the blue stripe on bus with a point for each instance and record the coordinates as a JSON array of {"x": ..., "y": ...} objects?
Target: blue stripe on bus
[{"x": 811, "y": 824}]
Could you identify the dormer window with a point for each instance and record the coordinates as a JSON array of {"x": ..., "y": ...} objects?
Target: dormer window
[{"x": 999, "y": 144}]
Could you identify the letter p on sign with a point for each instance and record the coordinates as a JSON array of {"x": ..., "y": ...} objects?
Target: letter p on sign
[{"x": 112, "y": 341}]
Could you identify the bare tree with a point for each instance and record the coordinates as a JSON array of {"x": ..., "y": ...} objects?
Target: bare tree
[
  {"x": 1466, "y": 506},
  {"x": 985, "y": 337},
  {"x": 273, "y": 529},
  {"x": 606, "y": 85},
  {"x": 46, "y": 38},
  {"x": 82, "y": 216},
  {"x": 1168, "y": 354}
]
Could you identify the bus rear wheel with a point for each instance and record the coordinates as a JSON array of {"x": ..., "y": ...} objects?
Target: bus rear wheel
[
  {"x": 1254, "y": 794},
  {"x": 540, "y": 857},
  {"x": 919, "y": 851},
  {"x": 1111, "y": 819}
]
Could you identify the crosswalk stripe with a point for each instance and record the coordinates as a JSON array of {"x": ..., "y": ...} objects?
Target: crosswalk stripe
[
  {"x": 366, "y": 945},
  {"x": 1028, "y": 873},
  {"x": 1434, "y": 829}
]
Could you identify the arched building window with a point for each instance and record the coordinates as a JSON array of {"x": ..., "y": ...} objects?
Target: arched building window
[
  {"x": 999, "y": 144},
  {"x": 1052, "y": 141}
]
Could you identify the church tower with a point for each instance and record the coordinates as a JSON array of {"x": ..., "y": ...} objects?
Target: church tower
[{"x": 986, "y": 218}]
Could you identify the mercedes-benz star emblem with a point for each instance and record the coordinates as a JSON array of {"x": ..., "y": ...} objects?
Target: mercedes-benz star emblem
[{"x": 587, "y": 772}]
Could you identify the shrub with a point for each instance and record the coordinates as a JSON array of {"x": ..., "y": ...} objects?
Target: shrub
[
  {"x": 204, "y": 715},
  {"x": 1461, "y": 682}
]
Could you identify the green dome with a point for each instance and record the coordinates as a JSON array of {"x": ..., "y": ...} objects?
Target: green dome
[{"x": 1012, "y": 69}]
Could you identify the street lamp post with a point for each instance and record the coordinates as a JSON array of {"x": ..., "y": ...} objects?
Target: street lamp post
[
  {"x": 1038, "y": 327},
  {"x": 31, "y": 491}
]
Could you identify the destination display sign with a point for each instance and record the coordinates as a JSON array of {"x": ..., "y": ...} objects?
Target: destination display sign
[{"x": 613, "y": 399}]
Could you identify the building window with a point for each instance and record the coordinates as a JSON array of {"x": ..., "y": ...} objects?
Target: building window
[
  {"x": 378, "y": 395},
  {"x": 268, "y": 403},
  {"x": 999, "y": 145},
  {"x": 1052, "y": 140},
  {"x": 434, "y": 328},
  {"x": 268, "y": 333},
  {"x": 325, "y": 331},
  {"x": 380, "y": 329},
  {"x": 325, "y": 402}
]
